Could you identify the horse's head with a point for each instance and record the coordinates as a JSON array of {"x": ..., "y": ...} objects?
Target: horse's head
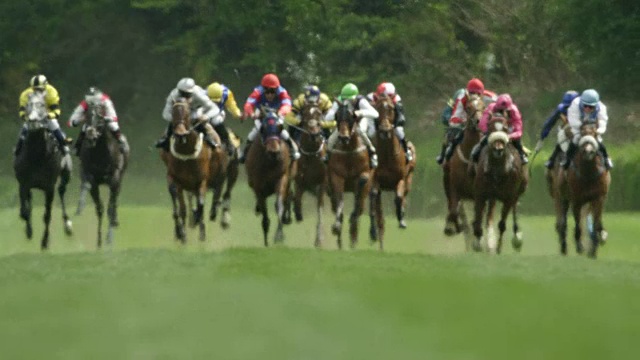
[
  {"x": 498, "y": 138},
  {"x": 312, "y": 116},
  {"x": 474, "y": 108},
  {"x": 36, "y": 111},
  {"x": 95, "y": 128},
  {"x": 270, "y": 133},
  {"x": 346, "y": 119},
  {"x": 181, "y": 117},
  {"x": 588, "y": 146},
  {"x": 387, "y": 115}
]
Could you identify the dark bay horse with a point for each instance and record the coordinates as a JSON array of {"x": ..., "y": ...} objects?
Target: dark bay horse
[
  {"x": 102, "y": 163},
  {"x": 38, "y": 166},
  {"x": 393, "y": 173},
  {"x": 349, "y": 171},
  {"x": 499, "y": 177},
  {"x": 458, "y": 183},
  {"x": 188, "y": 164},
  {"x": 311, "y": 175},
  {"x": 558, "y": 188},
  {"x": 269, "y": 169},
  {"x": 588, "y": 181},
  {"x": 226, "y": 180}
]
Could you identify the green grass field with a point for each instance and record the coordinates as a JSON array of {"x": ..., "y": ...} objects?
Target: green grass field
[{"x": 230, "y": 298}]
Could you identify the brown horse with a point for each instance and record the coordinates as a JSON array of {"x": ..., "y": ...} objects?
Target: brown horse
[
  {"x": 269, "y": 168},
  {"x": 458, "y": 183},
  {"x": 499, "y": 177},
  {"x": 393, "y": 173},
  {"x": 224, "y": 172},
  {"x": 588, "y": 181},
  {"x": 349, "y": 171},
  {"x": 559, "y": 190},
  {"x": 188, "y": 164},
  {"x": 312, "y": 171}
]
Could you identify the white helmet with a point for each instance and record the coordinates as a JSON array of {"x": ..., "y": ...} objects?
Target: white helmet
[
  {"x": 389, "y": 89},
  {"x": 93, "y": 96},
  {"x": 186, "y": 85}
]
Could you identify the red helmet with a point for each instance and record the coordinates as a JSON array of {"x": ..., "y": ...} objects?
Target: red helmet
[
  {"x": 270, "y": 81},
  {"x": 475, "y": 86},
  {"x": 380, "y": 89},
  {"x": 503, "y": 102}
]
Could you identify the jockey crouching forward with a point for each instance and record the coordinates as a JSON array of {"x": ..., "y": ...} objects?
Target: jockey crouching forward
[
  {"x": 40, "y": 84},
  {"x": 223, "y": 97},
  {"x": 202, "y": 111},
  {"x": 311, "y": 96},
  {"x": 587, "y": 109},
  {"x": 366, "y": 115},
  {"x": 389, "y": 90},
  {"x": 269, "y": 94},
  {"x": 504, "y": 107},
  {"x": 560, "y": 114},
  {"x": 97, "y": 103}
]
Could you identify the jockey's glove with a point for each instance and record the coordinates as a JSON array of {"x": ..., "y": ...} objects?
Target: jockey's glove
[{"x": 358, "y": 113}]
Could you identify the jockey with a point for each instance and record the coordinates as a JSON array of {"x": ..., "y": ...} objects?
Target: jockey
[
  {"x": 203, "y": 110},
  {"x": 365, "y": 114},
  {"x": 505, "y": 107},
  {"x": 311, "y": 95},
  {"x": 458, "y": 117},
  {"x": 39, "y": 83},
  {"x": 584, "y": 110},
  {"x": 223, "y": 97},
  {"x": 559, "y": 114},
  {"x": 98, "y": 103},
  {"x": 389, "y": 90},
  {"x": 271, "y": 94}
]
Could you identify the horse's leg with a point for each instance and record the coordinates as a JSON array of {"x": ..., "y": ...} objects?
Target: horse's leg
[
  {"x": 453, "y": 203},
  {"x": 320, "y": 189},
  {"x": 400, "y": 202},
  {"x": 297, "y": 200},
  {"x": 360, "y": 195},
  {"x": 95, "y": 195},
  {"x": 380, "y": 219},
  {"x": 261, "y": 206},
  {"x": 178, "y": 226},
  {"x": 182, "y": 210},
  {"x": 232, "y": 176},
  {"x": 488, "y": 225},
  {"x": 577, "y": 217},
  {"x": 517, "y": 239},
  {"x": 466, "y": 229},
  {"x": 112, "y": 210},
  {"x": 502, "y": 227},
  {"x": 25, "y": 209},
  {"x": 479, "y": 206},
  {"x": 82, "y": 200},
  {"x": 373, "y": 225},
  {"x": 562, "y": 207},
  {"x": 337, "y": 202},
  {"x": 48, "y": 204},
  {"x": 215, "y": 202},
  {"x": 600, "y": 233},
  {"x": 65, "y": 176},
  {"x": 282, "y": 192}
]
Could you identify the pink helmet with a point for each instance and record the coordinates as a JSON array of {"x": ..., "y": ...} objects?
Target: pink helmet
[
  {"x": 503, "y": 102},
  {"x": 270, "y": 81}
]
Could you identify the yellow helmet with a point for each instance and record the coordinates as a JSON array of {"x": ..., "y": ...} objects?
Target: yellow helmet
[{"x": 215, "y": 91}]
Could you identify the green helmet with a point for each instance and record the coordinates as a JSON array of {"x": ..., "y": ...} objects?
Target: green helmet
[
  {"x": 348, "y": 92},
  {"x": 589, "y": 97}
]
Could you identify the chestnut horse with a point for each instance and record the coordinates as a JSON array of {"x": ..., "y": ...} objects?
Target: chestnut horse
[
  {"x": 188, "y": 164},
  {"x": 499, "y": 176},
  {"x": 393, "y": 173},
  {"x": 588, "y": 181},
  {"x": 349, "y": 171},
  {"x": 458, "y": 183},
  {"x": 269, "y": 167},
  {"x": 312, "y": 171},
  {"x": 38, "y": 166}
]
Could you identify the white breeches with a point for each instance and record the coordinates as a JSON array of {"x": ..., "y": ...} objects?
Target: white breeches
[
  {"x": 53, "y": 125},
  {"x": 367, "y": 126},
  {"x": 399, "y": 130}
]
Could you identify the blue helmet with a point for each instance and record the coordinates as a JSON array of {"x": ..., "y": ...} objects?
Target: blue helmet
[
  {"x": 568, "y": 97},
  {"x": 589, "y": 97}
]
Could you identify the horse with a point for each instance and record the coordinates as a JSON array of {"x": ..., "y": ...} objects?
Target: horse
[
  {"x": 269, "y": 168},
  {"x": 349, "y": 171},
  {"x": 393, "y": 173},
  {"x": 312, "y": 171},
  {"x": 499, "y": 177},
  {"x": 458, "y": 183},
  {"x": 224, "y": 171},
  {"x": 188, "y": 164},
  {"x": 589, "y": 181},
  {"x": 102, "y": 163},
  {"x": 38, "y": 166}
]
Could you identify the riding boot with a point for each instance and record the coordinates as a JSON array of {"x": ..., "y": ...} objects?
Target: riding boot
[
  {"x": 78, "y": 144},
  {"x": 209, "y": 134},
  {"x": 552, "y": 159},
  {"x": 163, "y": 142},
  {"x": 245, "y": 151},
  {"x": 224, "y": 137},
  {"x": 62, "y": 143},
  {"x": 124, "y": 146},
  {"x": 295, "y": 154},
  {"x": 523, "y": 156},
  {"x": 440, "y": 158},
  {"x": 407, "y": 151},
  {"x": 475, "y": 153},
  {"x": 570, "y": 153},
  {"x": 607, "y": 160},
  {"x": 21, "y": 137}
]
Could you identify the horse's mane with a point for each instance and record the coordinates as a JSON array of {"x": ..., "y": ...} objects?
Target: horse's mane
[{"x": 345, "y": 113}]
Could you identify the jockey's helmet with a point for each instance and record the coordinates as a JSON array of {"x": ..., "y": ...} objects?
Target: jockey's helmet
[
  {"x": 589, "y": 97},
  {"x": 386, "y": 88},
  {"x": 215, "y": 91},
  {"x": 39, "y": 82},
  {"x": 186, "y": 85},
  {"x": 568, "y": 97},
  {"x": 312, "y": 94},
  {"x": 503, "y": 102},
  {"x": 475, "y": 86},
  {"x": 349, "y": 92},
  {"x": 270, "y": 81},
  {"x": 93, "y": 96}
]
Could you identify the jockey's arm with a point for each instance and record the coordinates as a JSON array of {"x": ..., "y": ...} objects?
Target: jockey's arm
[
  {"x": 483, "y": 125},
  {"x": 232, "y": 106},
  {"x": 53, "y": 102},
  {"x": 110, "y": 111},
  {"x": 292, "y": 118},
  {"x": 457, "y": 115},
  {"x": 209, "y": 108},
  {"x": 366, "y": 110},
  {"x": 603, "y": 119},
  {"x": 516, "y": 124},
  {"x": 325, "y": 103},
  {"x": 573, "y": 116},
  {"x": 22, "y": 104},
  {"x": 78, "y": 115},
  {"x": 166, "y": 112},
  {"x": 549, "y": 123},
  {"x": 285, "y": 104},
  {"x": 250, "y": 104},
  {"x": 331, "y": 114}
]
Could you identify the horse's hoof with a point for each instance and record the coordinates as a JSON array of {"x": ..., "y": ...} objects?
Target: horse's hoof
[
  {"x": 29, "y": 232},
  {"x": 68, "y": 228},
  {"x": 563, "y": 249},
  {"x": 298, "y": 217},
  {"x": 517, "y": 242},
  {"x": 336, "y": 229},
  {"x": 579, "y": 248},
  {"x": 213, "y": 216},
  {"x": 449, "y": 231},
  {"x": 373, "y": 235},
  {"x": 402, "y": 224},
  {"x": 603, "y": 237},
  {"x": 477, "y": 246}
]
